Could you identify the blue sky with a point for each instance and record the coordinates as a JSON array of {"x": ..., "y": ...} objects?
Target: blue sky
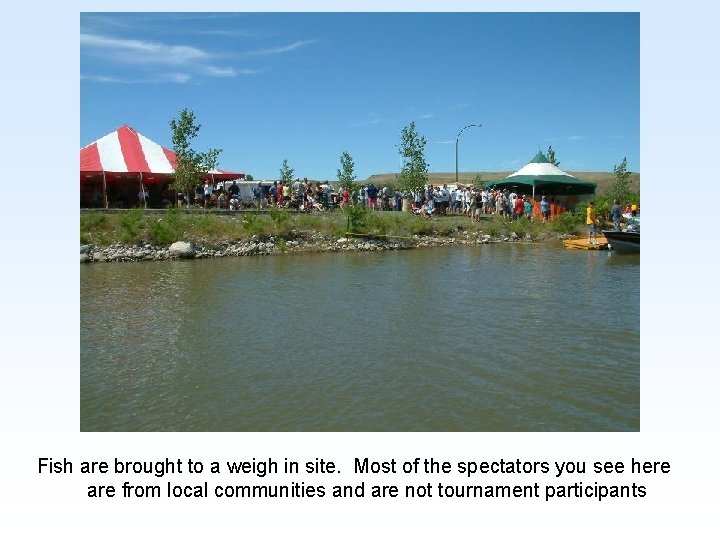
[{"x": 308, "y": 86}]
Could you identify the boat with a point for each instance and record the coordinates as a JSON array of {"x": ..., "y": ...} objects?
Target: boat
[
  {"x": 583, "y": 243},
  {"x": 625, "y": 241}
]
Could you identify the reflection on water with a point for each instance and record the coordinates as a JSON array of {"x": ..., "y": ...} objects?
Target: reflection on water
[{"x": 483, "y": 338}]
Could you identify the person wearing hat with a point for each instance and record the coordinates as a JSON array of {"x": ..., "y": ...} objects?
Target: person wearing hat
[{"x": 544, "y": 209}]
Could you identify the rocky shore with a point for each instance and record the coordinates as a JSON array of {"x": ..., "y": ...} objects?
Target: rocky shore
[{"x": 313, "y": 243}]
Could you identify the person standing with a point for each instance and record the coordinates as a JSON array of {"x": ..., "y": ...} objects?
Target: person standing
[
  {"x": 143, "y": 196},
  {"x": 207, "y": 192},
  {"x": 519, "y": 208},
  {"x": 258, "y": 194},
  {"x": 544, "y": 209},
  {"x": 616, "y": 214},
  {"x": 590, "y": 220}
]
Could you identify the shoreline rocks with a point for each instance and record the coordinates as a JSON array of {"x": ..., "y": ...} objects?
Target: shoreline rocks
[{"x": 255, "y": 246}]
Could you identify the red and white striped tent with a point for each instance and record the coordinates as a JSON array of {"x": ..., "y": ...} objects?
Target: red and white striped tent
[{"x": 126, "y": 153}]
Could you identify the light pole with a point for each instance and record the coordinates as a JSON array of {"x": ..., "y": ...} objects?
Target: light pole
[{"x": 457, "y": 140}]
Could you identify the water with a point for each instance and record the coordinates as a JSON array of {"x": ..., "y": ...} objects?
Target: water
[{"x": 481, "y": 338}]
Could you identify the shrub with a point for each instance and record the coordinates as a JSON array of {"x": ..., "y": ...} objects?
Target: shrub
[
  {"x": 91, "y": 221},
  {"x": 420, "y": 226},
  {"x": 204, "y": 224},
  {"x": 279, "y": 216},
  {"x": 251, "y": 224},
  {"x": 357, "y": 217},
  {"x": 376, "y": 223},
  {"x": 566, "y": 223},
  {"x": 131, "y": 226},
  {"x": 519, "y": 226},
  {"x": 166, "y": 229}
]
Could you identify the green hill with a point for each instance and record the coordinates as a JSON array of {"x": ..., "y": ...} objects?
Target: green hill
[{"x": 602, "y": 179}]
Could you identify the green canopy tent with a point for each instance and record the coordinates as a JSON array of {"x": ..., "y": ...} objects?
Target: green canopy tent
[{"x": 542, "y": 174}]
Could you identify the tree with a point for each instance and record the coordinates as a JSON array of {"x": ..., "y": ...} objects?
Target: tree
[
  {"x": 346, "y": 174},
  {"x": 286, "y": 173},
  {"x": 191, "y": 167},
  {"x": 551, "y": 156},
  {"x": 620, "y": 188},
  {"x": 414, "y": 173},
  {"x": 249, "y": 177}
]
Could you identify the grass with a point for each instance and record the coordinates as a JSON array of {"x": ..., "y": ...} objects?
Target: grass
[{"x": 137, "y": 226}]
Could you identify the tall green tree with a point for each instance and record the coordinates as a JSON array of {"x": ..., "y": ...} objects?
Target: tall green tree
[
  {"x": 346, "y": 172},
  {"x": 551, "y": 156},
  {"x": 414, "y": 173},
  {"x": 191, "y": 167},
  {"x": 286, "y": 173},
  {"x": 620, "y": 188}
]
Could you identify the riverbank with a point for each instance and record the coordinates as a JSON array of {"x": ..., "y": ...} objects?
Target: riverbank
[{"x": 140, "y": 236}]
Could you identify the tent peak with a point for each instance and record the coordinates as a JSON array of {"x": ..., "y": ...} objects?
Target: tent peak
[{"x": 539, "y": 158}]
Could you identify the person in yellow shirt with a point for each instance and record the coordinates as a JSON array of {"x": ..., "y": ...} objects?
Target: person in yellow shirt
[{"x": 590, "y": 221}]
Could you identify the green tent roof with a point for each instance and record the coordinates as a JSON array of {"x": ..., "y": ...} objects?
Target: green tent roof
[{"x": 545, "y": 177}]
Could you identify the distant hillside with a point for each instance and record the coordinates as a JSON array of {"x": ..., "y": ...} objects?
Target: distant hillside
[{"x": 602, "y": 179}]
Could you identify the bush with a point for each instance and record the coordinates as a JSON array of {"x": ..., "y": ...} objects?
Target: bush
[
  {"x": 131, "y": 226},
  {"x": 167, "y": 229},
  {"x": 92, "y": 221},
  {"x": 376, "y": 223},
  {"x": 279, "y": 216},
  {"x": 420, "y": 226},
  {"x": 357, "y": 217},
  {"x": 251, "y": 224},
  {"x": 204, "y": 224},
  {"x": 567, "y": 222}
]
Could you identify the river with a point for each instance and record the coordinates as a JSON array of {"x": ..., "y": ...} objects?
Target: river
[{"x": 500, "y": 337}]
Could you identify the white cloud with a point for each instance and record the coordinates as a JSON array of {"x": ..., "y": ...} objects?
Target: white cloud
[
  {"x": 175, "y": 78},
  {"x": 178, "y": 78},
  {"x": 510, "y": 164},
  {"x": 143, "y": 52},
  {"x": 576, "y": 137},
  {"x": 286, "y": 48},
  {"x": 370, "y": 122},
  {"x": 105, "y": 79},
  {"x": 443, "y": 142},
  {"x": 426, "y": 116}
]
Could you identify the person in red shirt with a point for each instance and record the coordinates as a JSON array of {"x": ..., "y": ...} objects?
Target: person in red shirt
[{"x": 519, "y": 207}]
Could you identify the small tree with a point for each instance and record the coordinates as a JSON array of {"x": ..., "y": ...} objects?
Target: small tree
[
  {"x": 191, "y": 167},
  {"x": 620, "y": 188},
  {"x": 249, "y": 177},
  {"x": 414, "y": 173},
  {"x": 346, "y": 173},
  {"x": 286, "y": 173},
  {"x": 551, "y": 156}
]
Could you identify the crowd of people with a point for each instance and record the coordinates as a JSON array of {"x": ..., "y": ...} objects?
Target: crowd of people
[
  {"x": 470, "y": 201},
  {"x": 304, "y": 195}
]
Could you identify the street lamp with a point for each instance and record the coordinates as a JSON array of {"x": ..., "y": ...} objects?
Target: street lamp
[{"x": 456, "y": 148}]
